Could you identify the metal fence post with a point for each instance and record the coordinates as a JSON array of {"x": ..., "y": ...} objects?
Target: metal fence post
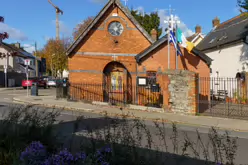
[{"x": 198, "y": 97}]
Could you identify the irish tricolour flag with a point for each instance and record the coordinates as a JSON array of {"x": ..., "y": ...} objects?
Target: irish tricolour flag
[{"x": 183, "y": 41}]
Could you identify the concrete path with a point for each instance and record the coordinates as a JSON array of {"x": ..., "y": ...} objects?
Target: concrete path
[
  {"x": 197, "y": 121},
  {"x": 10, "y": 88}
]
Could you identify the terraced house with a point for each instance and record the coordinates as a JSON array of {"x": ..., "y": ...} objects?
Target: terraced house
[{"x": 116, "y": 53}]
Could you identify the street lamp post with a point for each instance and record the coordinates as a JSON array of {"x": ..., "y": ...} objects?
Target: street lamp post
[{"x": 3, "y": 36}]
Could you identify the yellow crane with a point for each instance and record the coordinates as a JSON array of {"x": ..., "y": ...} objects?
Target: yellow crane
[{"x": 58, "y": 11}]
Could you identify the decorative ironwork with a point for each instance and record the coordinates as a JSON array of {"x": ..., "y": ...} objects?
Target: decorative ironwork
[{"x": 131, "y": 94}]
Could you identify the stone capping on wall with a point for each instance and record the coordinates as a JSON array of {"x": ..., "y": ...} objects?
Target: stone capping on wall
[{"x": 180, "y": 91}]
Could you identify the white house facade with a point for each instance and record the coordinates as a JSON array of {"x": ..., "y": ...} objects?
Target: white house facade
[
  {"x": 16, "y": 69},
  {"x": 227, "y": 46},
  {"x": 228, "y": 61}
]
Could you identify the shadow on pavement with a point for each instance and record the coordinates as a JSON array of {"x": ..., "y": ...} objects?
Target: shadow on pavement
[{"x": 93, "y": 133}]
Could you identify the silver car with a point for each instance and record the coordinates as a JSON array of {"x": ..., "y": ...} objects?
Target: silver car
[{"x": 51, "y": 83}]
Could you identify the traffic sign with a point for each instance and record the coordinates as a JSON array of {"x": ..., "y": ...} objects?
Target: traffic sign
[{"x": 27, "y": 61}]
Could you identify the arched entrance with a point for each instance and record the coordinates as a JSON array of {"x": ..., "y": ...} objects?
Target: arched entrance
[{"x": 117, "y": 84}]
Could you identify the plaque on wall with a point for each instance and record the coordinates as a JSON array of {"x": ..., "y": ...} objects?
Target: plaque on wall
[{"x": 142, "y": 81}]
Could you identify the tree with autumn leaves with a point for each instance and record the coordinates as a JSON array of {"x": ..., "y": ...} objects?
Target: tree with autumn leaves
[{"x": 55, "y": 53}]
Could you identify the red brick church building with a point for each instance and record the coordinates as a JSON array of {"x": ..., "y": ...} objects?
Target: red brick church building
[{"x": 115, "y": 49}]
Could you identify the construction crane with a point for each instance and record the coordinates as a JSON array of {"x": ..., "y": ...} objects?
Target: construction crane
[{"x": 58, "y": 11}]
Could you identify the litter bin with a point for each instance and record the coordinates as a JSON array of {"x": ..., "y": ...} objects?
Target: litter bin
[{"x": 34, "y": 89}]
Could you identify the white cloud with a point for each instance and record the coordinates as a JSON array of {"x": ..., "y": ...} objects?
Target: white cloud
[
  {"x": 140, "y": 10},
  {"x": 14, "y": 34},
  {"x": 29, "y": 48},
  {"x": 162, "y": 14},
  {"x": 46, "y": 38}
]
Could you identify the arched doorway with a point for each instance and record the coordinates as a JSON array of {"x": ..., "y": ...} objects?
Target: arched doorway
[{"x": 117, "y": 84}]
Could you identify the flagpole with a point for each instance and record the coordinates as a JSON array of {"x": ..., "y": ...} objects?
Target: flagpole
[
  {"x": 176, "y": 50},
  {"x": 169, "y": 47}
]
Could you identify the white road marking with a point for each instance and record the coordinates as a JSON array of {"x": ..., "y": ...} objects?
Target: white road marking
[{"x": 14, "y": 94}]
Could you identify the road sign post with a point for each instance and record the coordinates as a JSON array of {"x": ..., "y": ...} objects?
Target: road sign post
[
  {"x": 5, "y": 76},
  {"x": 27, "y": 63}
]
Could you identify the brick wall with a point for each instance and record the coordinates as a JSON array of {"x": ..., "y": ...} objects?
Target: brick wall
[
  {"x": 180, "y": 91},
  {"x": 159, "y": 59},
  {"x": 90, "y": 66}
]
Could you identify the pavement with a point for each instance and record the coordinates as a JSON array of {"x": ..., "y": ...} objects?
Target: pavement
[
  {"x": 69, "y": 111},
  {"x": 11, "y": 88},
  {"x": 196, "y": 121}
]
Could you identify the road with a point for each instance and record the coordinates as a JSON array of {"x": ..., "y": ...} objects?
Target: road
[{"x": 99, "y": 123}]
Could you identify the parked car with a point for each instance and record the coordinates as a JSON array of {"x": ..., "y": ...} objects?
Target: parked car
[
  {"x": 28, "y": 83},
  {"x": 51, "y": 83}
]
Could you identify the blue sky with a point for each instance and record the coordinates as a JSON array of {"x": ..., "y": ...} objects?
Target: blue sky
[{"x": 28, "y": 21}]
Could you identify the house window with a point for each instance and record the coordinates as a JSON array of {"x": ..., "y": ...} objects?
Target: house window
[{"x": 151, "y": 77}]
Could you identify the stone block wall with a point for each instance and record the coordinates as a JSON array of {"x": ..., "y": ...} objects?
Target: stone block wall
[{"x": 180, "y": 91}]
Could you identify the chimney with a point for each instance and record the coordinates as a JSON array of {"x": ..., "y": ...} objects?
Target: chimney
[
  {"x": 198, "y": 29},
  {"x": 17, "y": 45},
  {"x": 154, "y": 34},
  {"x": 216, "y": 22}
]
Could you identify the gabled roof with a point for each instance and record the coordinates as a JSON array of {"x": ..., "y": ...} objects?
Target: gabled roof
[
  {"x": 162, "y": 40},
  {"x": 98, "y": 17},
  {"x": 20, "y": 52},
  {"x": 228, "y": 32}
]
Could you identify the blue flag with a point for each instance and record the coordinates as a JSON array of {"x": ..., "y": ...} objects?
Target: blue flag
[{"x": 174, "y": 41}]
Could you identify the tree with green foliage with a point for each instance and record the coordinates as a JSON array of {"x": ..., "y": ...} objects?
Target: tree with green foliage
[
  {"x": 148, "y": 21},
  {"x": 243, "y": 4}
]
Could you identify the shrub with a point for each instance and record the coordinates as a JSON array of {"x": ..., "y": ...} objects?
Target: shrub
[
  {"x": 21, "y": 126},
  {"x": 28, "y": 135},
  {"x": 36, "y": 154}
]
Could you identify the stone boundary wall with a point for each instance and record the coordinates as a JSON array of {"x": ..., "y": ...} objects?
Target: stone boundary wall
[{"x": 180, "y": 91}]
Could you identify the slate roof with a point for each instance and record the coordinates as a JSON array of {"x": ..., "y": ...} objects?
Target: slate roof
[
  {"x": 98, "y": 17},
  {"x": 162, "y": 40},
  {"x": 228, "y": 32},
  {"x": 20, "y": 52}
]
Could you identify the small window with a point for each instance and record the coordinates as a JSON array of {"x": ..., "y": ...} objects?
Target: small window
[
  {"x": 17, "y": 59},
  {"x": 151, "y": 77}
]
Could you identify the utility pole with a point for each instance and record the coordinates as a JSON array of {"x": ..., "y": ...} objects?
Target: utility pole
[
  {"x": 58, "y": 11},
  {"x": 36, "y": 60}
]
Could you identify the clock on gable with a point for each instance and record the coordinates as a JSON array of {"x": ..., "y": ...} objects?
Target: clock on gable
[{"x": 115, "y": 28}]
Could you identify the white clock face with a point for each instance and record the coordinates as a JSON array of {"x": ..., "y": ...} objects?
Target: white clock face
[{"x": 115, "y": 28}]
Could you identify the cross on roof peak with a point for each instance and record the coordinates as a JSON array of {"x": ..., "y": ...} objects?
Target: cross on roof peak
[
  {"x": 170, "y": 10},
  {"x": 125, "y": 1}
]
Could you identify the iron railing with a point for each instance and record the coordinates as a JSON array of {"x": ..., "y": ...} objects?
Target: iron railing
[
  {"x": 223, "y": 97},
  {"x": 128, "y": 94}
]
